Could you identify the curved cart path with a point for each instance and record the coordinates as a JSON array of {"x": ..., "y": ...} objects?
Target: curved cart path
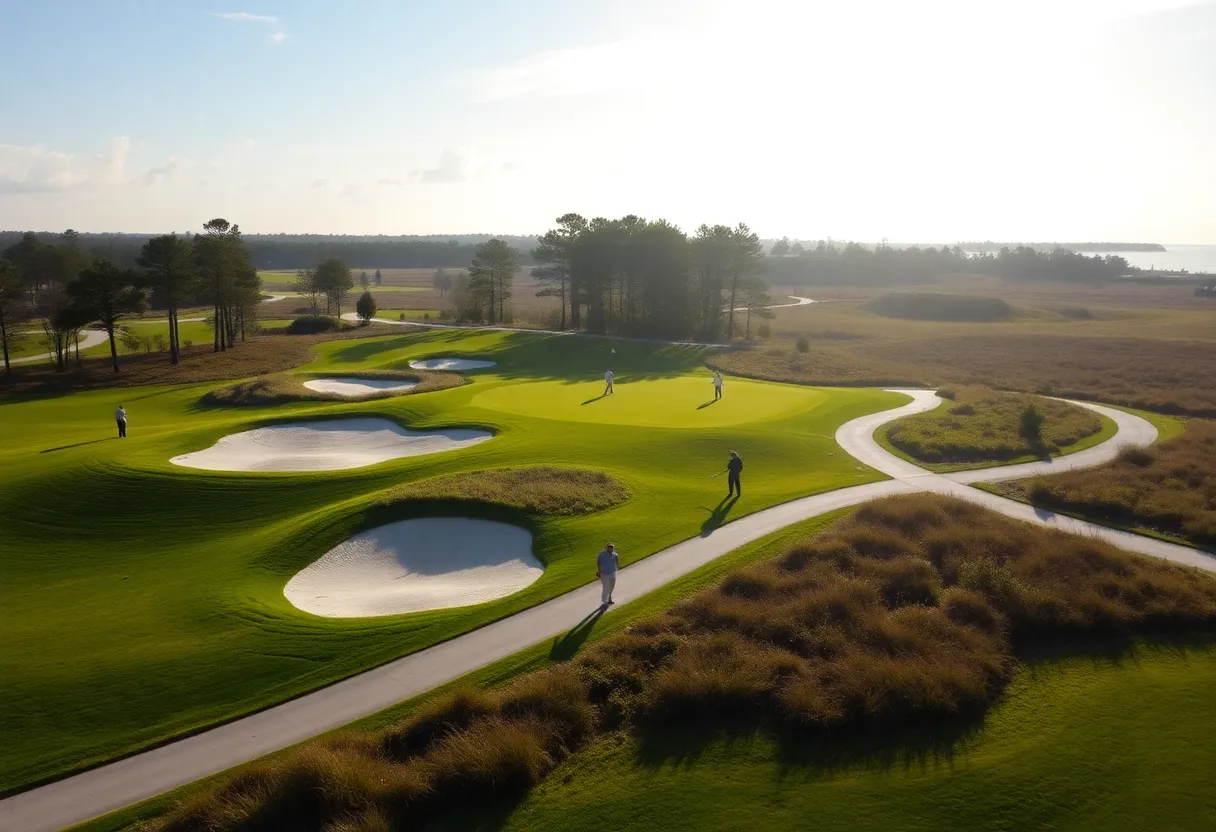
[
  {"x": 91, "y": 338},
  {"x": 154, "y": 772}
]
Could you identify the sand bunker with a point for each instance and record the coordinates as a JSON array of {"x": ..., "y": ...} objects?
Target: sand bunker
[
  {"x": 327, "y": 445},
  {"x": 449, "y": 363},
  {"x": 352, "y": 387},
  {"x": 425, "y": 564}
]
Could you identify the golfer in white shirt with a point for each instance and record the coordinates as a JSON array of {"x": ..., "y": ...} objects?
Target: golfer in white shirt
[
  {"x": 717, "y": 385},
  {"x": 608, "y": 377},
  {"x": 606, "y": 564}
]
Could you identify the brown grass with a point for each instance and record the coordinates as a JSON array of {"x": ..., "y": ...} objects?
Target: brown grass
[
  {"x": 980, "y": 424},
  {"x": 1164, "y": 376},
  {"x": 910, "y": 610},
  {"x": 1169, "y": 488},
  {"x": 542, "y": 489},
  {"x": 260, "y": 355},
  {"x": 282, "y": 388}
]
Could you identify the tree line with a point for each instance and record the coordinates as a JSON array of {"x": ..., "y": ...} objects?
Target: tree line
[
  {"x": 627, "y": 276},
  {"x": 69, "y": 289},
  {"x": 825, "y": 262},
  {"x": 302, "y": 251}
]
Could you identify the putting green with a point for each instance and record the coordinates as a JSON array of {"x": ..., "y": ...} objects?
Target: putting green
[
  {"x": 143, "y": 600},
  {"x": 683, "y": 402}
]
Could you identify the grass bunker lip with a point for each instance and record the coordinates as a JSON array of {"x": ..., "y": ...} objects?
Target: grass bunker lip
[
  {"x": 425, "y": 563},
  {"x": 325, "y": 445}
]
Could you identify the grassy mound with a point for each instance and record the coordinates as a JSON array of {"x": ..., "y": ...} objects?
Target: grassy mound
[
  {"x": 976, "y": 424},
  {"x": 934, "y": 307},
  {"x": 1168, "y": 489},
  {"x": 288, "y": 387},
  {"x": 539, "y": 490},
  {"x": 907, "y": 612}
]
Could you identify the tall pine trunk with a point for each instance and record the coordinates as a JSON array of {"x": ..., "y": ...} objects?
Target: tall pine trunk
[{"x": 113, "y": 348}]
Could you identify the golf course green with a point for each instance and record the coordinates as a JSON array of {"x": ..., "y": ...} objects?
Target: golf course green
[{"x": 144, "y": 600}]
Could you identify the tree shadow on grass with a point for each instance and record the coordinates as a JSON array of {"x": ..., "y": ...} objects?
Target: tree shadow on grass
[
  {"x": 78, "y": 444},
  {"x": 928, "y": 743},
  {"x": 717, "y": 515},
  {"x": 565, "y": 646}
]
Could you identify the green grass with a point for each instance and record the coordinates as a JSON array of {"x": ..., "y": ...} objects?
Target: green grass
[
  {"x": 145, "y": 601},
  {"x": 1079, "y": 742},
  {"x": 499, "y": 673},
  {"x": 979, "y": 428}
]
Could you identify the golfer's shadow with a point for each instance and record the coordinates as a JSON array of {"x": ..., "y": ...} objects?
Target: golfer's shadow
[
  {"x": 564, "y": 647},
  {"x": 78, "y": 444},
  {"x": 596, "y": 399},
  {"x": 707, "y": 404},
  {"x": 717, "y": 515}
]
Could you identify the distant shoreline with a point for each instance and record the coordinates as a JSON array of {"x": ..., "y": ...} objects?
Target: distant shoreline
[{"x": 1077, "y": 247}]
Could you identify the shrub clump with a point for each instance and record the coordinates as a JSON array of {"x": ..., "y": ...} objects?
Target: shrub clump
[
  {"x": 541, "y": 489},
  {"x": 984, "y": 425},
  {"x": 911, "y": 610},
  {"x": 938, "y": 307},
  {"x": 1169, "y": 488},
  {"x": 312, "y": 324}
]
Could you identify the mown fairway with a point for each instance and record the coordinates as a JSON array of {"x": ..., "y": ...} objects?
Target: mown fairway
[
  {"x": 144, "y": 600},
  {"x": 1098, "y": 741}
]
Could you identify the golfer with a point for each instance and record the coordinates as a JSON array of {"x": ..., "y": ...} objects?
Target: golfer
[
  {"x": 120, "y": 416},
  {"x": 734, "y": 468},
  {"x": 606, "y": 564},
  {"x": 608, "y": 377},
  {"x": 717, "y": 385}
]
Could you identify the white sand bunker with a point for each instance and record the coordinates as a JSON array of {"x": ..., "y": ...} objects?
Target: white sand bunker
[
  {"x": 326, "y": 445},
  {"x": 449, "y": 363},
  {"x": 426, "y": 564},
  {"x": 352, "y": 387}
]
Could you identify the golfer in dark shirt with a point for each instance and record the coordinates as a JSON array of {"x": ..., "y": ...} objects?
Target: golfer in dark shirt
[{"x": 734, "y": 469}]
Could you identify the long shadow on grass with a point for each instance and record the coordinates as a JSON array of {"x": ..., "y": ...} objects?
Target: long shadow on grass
[
  {"x": 565, "y": 646},
  {"x": 571, "y": 359},
  {"x": 717, "y": 515},
  {"x": 77, "y": 445},
  {"x": 931, "y": 742}
]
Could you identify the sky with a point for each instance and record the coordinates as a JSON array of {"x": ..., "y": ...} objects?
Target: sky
[{"x": 934, "y": 121}]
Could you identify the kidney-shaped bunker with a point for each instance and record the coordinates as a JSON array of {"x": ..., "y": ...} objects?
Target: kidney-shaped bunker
[
  {"x": 450, "y": 363},
  {"x": 428, "y": 563},
  {"x": 325, "y": 445},
  {"x": 353, "y": 387}
]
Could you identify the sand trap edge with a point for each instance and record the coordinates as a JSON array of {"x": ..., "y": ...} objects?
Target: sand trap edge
[{"x": 416, "y": 565}]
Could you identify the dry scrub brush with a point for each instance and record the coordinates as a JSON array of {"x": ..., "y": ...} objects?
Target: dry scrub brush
[
  {"x": 909, "y": 611},
  {"x": 1164, "y": 376},
  {"x": 982, "y": 424},
  {"x": 1169, "y": 488}
]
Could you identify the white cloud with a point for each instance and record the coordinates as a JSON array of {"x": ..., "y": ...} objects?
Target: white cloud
[
  {"x": 451, "y": 167},
  {"x": 168, "y": 172},
  {"x": 36, "y": 169},
  {"x": 246, "y": 17},
  {"x": 278, "y": 37}
]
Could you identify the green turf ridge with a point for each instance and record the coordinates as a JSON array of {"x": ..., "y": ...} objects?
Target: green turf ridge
[
  {"x": 145, "y": 599},
  {"x": 525, "y": 661},
  {"x": 1095, "y": 740},
  {"x": 1109, "y": 429}
]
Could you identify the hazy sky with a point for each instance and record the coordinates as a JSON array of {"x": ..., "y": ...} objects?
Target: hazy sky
[{"x": 932, "y": 121}]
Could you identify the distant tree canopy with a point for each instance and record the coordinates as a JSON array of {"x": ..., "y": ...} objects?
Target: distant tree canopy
[
  {"x": 826, "y": 262},
  {"x": 632, "y": 276},
  {"x": 304, "y": 251}
]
